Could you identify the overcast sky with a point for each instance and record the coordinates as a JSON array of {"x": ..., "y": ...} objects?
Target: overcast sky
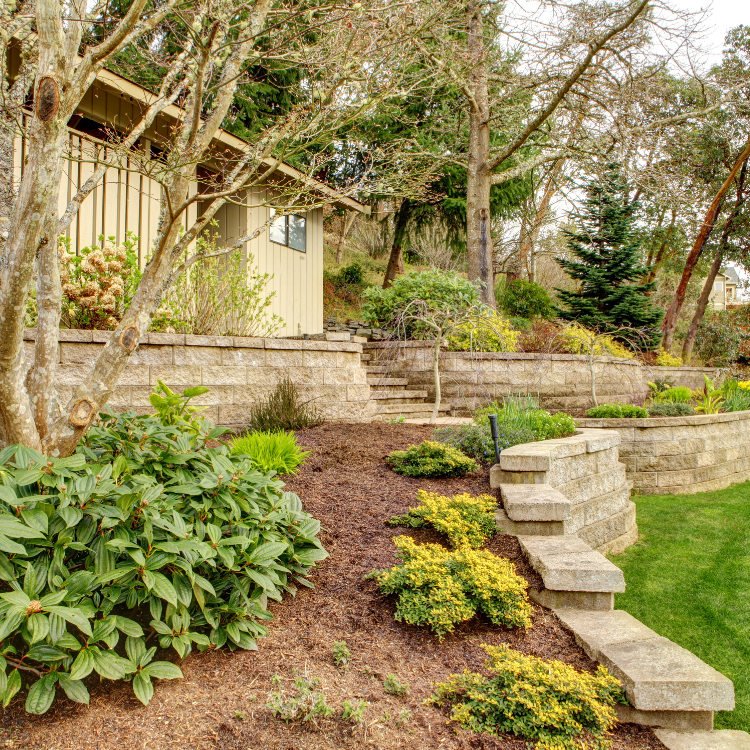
[{"x": 722, "y": 16}]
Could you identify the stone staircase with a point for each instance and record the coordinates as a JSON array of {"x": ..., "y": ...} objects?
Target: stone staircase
[{"x": 393, "y": 396}]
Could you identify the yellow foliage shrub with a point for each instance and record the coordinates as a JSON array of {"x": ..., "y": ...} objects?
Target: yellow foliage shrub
[
  {"x": 547, "y": 701},
  {"x": 665, "y": 359},
  {"x": 486, "y": 333},
  {"x": 577, "y": 340}
]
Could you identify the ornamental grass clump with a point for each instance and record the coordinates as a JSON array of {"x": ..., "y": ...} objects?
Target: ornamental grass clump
[
  {"x": 442, "y": 588},
  {"x": 271, "y": 451},
  {"x": 465, "y": 520},
  {"x": 284, "y": 409},
  {"x": 546, "y": 701},
  {"x": 431, "y": 459}
]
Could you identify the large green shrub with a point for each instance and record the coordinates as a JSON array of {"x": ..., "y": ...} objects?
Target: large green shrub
[
  {"x": 271, "y": 451},
  {"x": 547, "y": 701},
  {"x": 145, "y": 524},
  {"x": 431, "y": 459},
  {"x": 524, "y": 299},
  {"x": 443, "y": 290},
  {"x": 720, "y": 339}
]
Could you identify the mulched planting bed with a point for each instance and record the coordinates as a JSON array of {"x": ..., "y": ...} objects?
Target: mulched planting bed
[{"x": 221, "y": 703}]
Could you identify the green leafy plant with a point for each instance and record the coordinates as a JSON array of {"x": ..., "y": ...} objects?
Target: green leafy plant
[
  {"x": 736, "y": 397},
  {"x": 669, "y": 409},
  {"x": 341, "y": 654},
  {"x": 462, "y": 518},
  {"x": 524, "y": 299},
  {"x": 284, "y": 409},
  {"x": 221, "y": 296},
  {"x": 351, "y": 274},
  {"x": 680, "y": 394},
  {"x": 393, "y": 686},
  {"x": 271, "y": 451},
  {"x": 445, "y": 290},
  {"x": 475, "y": 439},
  {"x": 431, "y": 459},
  {"x": 354, "y": 713},
  {"x": 547, "y": 701},
  {"x": 710, "y": 400},
  {"x": 304, "y": 703},
  {"x": 660, "y": 385},
  {"x": 441, "y": 588},
  {"x": 174, "y": 408},
  {"x": 144, "y": 524},
  {"x": 617, "y": 411}
]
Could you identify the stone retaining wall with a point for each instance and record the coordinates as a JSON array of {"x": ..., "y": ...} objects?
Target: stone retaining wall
[
  {"x": 683, "y": 455},
  {"x": 471, "y": 379},
  {"x": 238, "y": 370},
  {"x": 585, "y": 469}
]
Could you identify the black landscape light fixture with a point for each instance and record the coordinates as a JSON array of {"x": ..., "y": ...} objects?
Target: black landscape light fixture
[{"x": 495, "y": 436}]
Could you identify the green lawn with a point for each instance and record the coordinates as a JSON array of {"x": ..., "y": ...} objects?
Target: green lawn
[{"x": 688, "y": 578}]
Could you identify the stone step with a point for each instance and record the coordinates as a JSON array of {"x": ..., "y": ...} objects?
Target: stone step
[
  {"x": 374, "y": 369},
  {"x": 565, "y": 563},
  {"x": 534, "y": 502},
  {"x": 721, "y": 739},
  {"x": 406, "y": 397},
  {"x": 365, "y": 357},
  {"x": 376, "y": 382},
  {"x": 410, "y": 411},
  {"x": 658, "y": 676}
]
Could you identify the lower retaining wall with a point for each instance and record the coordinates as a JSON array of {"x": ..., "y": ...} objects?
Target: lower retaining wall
[
  {"x": 585, "y": 469},
  {"x": 683, "y": 455},
  {"x": 239, "y": 371}
]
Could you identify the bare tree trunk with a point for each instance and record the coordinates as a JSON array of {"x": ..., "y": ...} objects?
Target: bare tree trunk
[
  {"x": 655, "y": 263},
  {"x": 692, "y": 334},
  {"x": 670, "y": 319},
  {"x": 346, "y": 223},
  {"x": 436, "y": 377},
  {"x": 396, "y": 260},
  {"x": 478, "y": 173}
]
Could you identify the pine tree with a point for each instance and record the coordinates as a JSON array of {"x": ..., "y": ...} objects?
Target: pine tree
[{"x": 607, "y": 266}]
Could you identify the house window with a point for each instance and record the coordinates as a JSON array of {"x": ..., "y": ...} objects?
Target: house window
[
  {"x": 718, "y": 286},
  {"x": 290, "y": 230}
]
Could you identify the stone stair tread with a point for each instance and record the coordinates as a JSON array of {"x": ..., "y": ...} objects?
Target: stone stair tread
[
  {"x": 657, "y": 675},
  {"x": 397, "y": 394},
  {"x": 565, "y": 563},
  {"x": 719, "y": 739},
  {"x": 374, "y": 369},
  {"x": 386, "y": 382},
  {"x": 405, "y": 408},
  {"x": 592, "y": 630},
  {"x": 534, "y": 502}
]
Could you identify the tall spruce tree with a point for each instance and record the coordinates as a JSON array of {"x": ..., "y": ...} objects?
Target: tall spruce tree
[{"x": 607, "y": 266}]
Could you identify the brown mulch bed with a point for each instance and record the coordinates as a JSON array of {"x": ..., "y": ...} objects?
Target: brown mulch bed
[{"x": 221, "y": 703}]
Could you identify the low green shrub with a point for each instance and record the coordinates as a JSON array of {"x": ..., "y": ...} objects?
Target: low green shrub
[
  {"x": 144, "y": 524},
  {"x": 462, "y": 518},
  {"x": 441, "y": 588},
  {"x": 617, "y": 411},
  {"x": 393, "y": 686},
  {"x": 679, "y": 394},
  {"x": 547, "y": 701},
  {"x": 351, "y": 274},
  {"x": 283, "y": 410},
  {"x": 669, "y": 409},
  {"x": 271, "y": 451},
  {"x": 475, "y": 439},
  {"x": 431, "y": 459},
  {"x": 303, "y": 703}
]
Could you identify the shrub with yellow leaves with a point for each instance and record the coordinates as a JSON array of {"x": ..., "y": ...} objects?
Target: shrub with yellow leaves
[
  {"x": 490, "y": 332},
  {"x": 442, "y": 588},
  {"x": 547, "y": 701},
  {"x": 578, "y": 340},
  {"x": 464, "y": 519}
]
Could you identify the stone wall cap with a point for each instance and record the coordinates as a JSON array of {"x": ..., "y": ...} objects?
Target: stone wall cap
[{"x": 649, "y": 422}]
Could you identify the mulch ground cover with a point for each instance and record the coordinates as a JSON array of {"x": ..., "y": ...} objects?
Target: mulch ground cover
[{"x": 221, "y": 703}]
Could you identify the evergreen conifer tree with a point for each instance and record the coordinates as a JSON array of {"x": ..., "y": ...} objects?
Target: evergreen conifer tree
[{"x": 606, "y": 263}]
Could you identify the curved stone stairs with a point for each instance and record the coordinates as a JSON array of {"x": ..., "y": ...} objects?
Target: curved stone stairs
[{"x": 394, "y": 397}]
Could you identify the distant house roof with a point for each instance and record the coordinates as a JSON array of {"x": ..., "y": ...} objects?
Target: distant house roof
[{"x": 732, "y": 275}]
